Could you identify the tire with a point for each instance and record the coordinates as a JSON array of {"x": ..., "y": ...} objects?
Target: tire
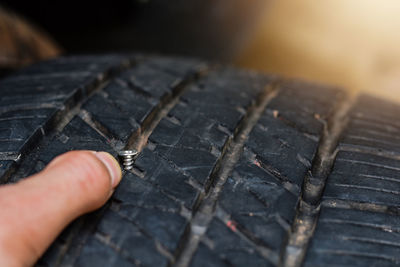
[{"x": 235, "y": 167}]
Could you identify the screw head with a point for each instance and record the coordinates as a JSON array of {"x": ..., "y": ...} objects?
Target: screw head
[{"x": 127, "y": 153}]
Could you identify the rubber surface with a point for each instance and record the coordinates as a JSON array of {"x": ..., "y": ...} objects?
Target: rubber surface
[{"x": 235, "y": 167}]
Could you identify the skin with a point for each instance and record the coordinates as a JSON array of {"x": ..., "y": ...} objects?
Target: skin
[{"x": 35, "y": 210}]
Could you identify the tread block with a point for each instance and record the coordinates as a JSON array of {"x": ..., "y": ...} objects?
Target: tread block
[
  {"x": 199, "y": 130},
  {"x": 307, "y": 106},
  {"x": 153, "y": 81},
  {"x": 169, "y": 179},
  {"x": 282, "y": 148},
  {"x": 223, "y": 96},
  {"x": 151, "y": 209},
  {"x": 355, "y": 238},
  {"x": 228, "y": 248},
  {"x": 206, "y": 257},
  {"x": 166, "y": 226},
  {"x": 29, "y": 97},
  {"x": 131, "y": 242},
  {"x": 257, "y": 202},
  {"x": 170, "y": 132},
  {"x": 189, "y": 149},
  {"x": 102, "y": 111},
  {"x": 374, "y": 125},
  {"x": 96, "y": 253},
  {"x": 364, "y": 178},
  {"x": 136, "y": 191},
  {"x": 17, "y": 127},
  {"x": 124, "y": 98},
  {"x": 77, "y": 135}
]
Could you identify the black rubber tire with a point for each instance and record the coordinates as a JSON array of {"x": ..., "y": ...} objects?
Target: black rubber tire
[{"x": 235, "y": 168}]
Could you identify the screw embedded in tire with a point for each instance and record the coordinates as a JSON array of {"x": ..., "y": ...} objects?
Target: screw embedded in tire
[{"x": 127, "y": 157}]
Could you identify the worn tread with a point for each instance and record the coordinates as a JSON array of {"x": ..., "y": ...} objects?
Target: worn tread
[{"x": 225, "y": 161}]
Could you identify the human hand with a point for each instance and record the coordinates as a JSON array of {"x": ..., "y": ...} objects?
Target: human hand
[{"x": 35, "y": 210}]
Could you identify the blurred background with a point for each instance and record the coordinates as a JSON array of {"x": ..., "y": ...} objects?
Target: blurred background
[{"x": 348, "y": 43}]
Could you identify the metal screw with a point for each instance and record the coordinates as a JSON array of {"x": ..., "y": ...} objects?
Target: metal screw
[{"x": 127, "y": 157}]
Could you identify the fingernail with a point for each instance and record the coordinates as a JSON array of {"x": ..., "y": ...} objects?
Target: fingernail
[{"x": 112, "y": 165}]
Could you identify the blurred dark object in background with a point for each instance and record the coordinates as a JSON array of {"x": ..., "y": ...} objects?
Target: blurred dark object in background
[
  {"x": 211, "y": 29},
  {"x": 21, "y": 43}
]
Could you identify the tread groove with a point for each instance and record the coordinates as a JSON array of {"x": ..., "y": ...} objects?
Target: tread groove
[
  {"x": 231, "y": 152},
  {"x": 308, "y": 208},
  {"x": 139, "y": 138},
  {"x": 86, "y": 117}
]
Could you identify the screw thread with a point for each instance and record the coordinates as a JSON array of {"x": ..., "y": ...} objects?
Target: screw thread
[{"x": 127, "y": 157}]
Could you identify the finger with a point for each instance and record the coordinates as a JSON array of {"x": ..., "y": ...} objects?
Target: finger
[{"x": 35, "y": 210}]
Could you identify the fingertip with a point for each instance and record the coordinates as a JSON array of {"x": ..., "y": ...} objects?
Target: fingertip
[
  {"x": 112, "y": 166},
  {"x": 36, "y": 209},
  {"x": 86, "y": 177}
]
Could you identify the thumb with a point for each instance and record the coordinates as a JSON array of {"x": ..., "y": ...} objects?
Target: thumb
[{"x": 35, "y": 210}]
